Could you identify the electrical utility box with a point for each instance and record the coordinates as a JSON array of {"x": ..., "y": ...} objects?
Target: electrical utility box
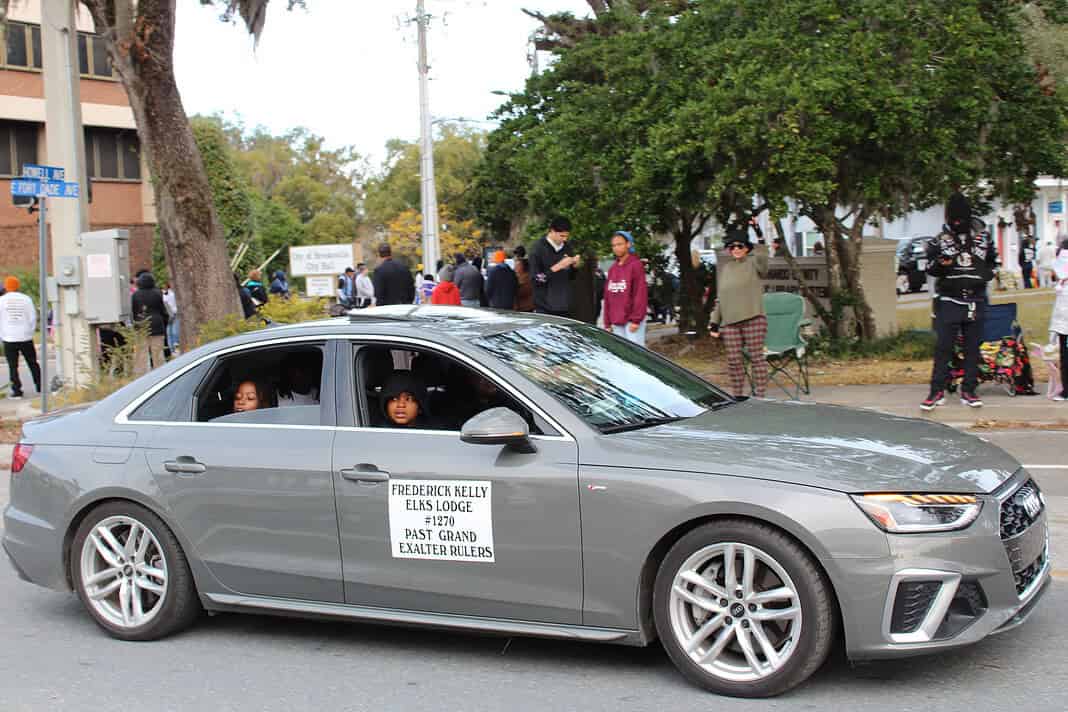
[{"x": 106, "y": 276}]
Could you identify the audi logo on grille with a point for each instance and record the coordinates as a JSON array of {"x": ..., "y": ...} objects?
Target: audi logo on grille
[{"x": 1031, "y": 504}]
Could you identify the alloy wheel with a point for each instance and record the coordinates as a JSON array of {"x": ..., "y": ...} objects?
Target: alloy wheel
[
  {"x": 123, "y": 572},
  {"x": 735, "y": 612}
]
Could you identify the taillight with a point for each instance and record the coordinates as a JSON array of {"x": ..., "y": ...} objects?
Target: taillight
[{"x": 19, "y": 457}]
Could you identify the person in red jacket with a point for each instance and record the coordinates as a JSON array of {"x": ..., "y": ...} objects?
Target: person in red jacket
[
  {"x": 446, "y": 292},
  {"x": 626, "y": 296}
]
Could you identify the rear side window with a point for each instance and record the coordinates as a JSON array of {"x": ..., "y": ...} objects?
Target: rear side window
[{"x": 174, "y": 403}]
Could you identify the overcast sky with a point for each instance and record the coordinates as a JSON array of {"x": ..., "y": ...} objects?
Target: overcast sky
[{"x": 346, "y": 69}]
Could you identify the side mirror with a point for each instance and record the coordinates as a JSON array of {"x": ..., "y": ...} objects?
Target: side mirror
[{"x": 498, "y": 426}]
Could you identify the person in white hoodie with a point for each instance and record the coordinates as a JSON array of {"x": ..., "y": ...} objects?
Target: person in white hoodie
[
  {"x": 1046, "y": 255},
  {"x": 18, "y": 319},
  {"x": 1058, "y": 320}
]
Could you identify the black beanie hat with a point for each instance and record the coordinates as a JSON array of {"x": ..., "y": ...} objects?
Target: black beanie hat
[
  {"x": 404, "y": 382},
  {"x": 958, "y": 213},
  {"x": 738, "y": 234}
]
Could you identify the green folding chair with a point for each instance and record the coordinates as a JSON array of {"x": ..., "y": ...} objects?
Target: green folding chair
[{"x": 784, "y": 347}]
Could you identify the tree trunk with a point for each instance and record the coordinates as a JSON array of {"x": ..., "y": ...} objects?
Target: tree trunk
[
  {"x": 140, "y": 43},
  {"x": 795, "y": 271},
  {"x": 694, "y": 310}
]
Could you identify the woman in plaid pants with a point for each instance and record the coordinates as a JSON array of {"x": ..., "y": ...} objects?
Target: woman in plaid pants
[{"x": 739, "y": 317}]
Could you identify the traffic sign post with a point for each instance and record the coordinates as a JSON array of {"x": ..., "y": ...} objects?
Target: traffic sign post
[{"x": 43, "y": 182}]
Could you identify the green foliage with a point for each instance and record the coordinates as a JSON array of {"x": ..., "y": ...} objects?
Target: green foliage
[
  {"x": 457, "y": 152},
  {"x": 29, "y": 281},
  {"x": 330, "y": 229},
  {"x": 277, "y": 311},
  {"x": 229, "y": 188},
  {"x": 903, "y": 346},
  {"x": 662, "y": 121},
  {"x": 277, "y": 227},
  {"x": 299, "y": 192}
]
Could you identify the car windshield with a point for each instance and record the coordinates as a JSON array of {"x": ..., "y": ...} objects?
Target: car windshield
[{"x": 609, "y": 383}]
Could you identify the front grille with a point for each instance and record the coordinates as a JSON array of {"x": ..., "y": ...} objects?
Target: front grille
[
  {"x": 1027, "y": 577},
  {"x": 1023, "y": 532},
  {"x": 911, "y": 604},
  {"x": 1018, "y": 511}
]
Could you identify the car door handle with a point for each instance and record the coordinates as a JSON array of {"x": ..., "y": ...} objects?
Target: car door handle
[
  {"x": 185, "y": 465},
  {"x": 365, "y": 472}
]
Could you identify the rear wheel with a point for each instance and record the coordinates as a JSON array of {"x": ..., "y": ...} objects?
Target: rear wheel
[
  {"x": 131, "y": 574},
  {"x": 743, "y": 610}
]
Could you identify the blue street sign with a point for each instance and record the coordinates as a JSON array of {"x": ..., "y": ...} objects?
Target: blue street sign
[
  {"x": 26, "y": 187},
  {"x": 31, "y": 170},
  {"x": 1056, "y": 207},
  {"x": 44, "y": 189},
  {"x": 60, "y": 189}
]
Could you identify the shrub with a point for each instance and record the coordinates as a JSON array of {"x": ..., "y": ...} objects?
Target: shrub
[{"x": 275, "y": 311}]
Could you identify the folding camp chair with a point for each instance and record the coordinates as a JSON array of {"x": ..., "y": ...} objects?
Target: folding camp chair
[
  {"x": 1003, "y": 355},
  {"x": 784, "y": 347}
]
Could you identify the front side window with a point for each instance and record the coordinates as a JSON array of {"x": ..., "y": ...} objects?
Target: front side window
[
  {"x": 278, "y": 385},
  {"x": 606, "y": 381},
  {"x": 405, "y": 388}
]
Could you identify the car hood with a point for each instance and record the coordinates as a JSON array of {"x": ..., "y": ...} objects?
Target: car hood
[{"x": 828, "y": 446}]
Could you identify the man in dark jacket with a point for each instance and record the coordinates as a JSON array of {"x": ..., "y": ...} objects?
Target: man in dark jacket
[
  {"x": 551, "y": 267},
  {"x": 469, "y": 281},
  {"x": 393, "y": 283},
  {"x": 501, "y": 284},
  {"x": 150, "y": 313},
  {"x": 1027, "y": 260},
  {"x": 962, "y": 260}
]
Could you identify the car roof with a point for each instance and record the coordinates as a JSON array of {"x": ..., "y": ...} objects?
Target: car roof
[{"x": 438, "y": 322}]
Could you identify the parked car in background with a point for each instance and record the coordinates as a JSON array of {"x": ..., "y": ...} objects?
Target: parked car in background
[{"x": 912, "y": 264}]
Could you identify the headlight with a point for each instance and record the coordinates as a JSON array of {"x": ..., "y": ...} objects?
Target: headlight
[{"x": 909, "y": 513}]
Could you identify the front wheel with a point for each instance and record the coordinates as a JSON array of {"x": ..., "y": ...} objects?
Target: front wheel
[
  {"x": 131, "y": 574},
  {"x": 743, "y": 610}
]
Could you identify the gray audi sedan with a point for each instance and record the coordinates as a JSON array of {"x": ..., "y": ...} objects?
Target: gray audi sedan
[{"x": 523, "y": 475}]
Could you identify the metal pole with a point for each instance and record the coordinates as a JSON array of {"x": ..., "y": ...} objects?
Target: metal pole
[
  {"x": 42, "y": 246},
  {"x": 428, "y": 190}
]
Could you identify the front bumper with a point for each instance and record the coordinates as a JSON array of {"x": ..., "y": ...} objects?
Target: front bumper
[{"x": 954, "y": 589}]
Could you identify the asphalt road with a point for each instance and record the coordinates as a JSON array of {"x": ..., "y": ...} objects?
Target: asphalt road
[{"x": 53, "y": 657}]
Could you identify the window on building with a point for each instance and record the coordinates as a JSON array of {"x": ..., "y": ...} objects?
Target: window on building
[
  {"x": 112, "y": 154},
  {"x": 93, "y": 60},
  {"x": 18, "y": 146},
  {"x": 20, "y": 46}
]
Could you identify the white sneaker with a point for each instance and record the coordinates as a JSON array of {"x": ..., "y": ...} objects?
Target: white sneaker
[{"x": 1059, "y": 399}]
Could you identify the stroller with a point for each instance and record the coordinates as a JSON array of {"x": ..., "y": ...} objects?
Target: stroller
[{"x": 1003, "y": 356}]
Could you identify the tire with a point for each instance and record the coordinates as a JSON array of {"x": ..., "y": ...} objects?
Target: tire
[
  {"x": 134, "y": 591},
  {"x": 779, "y": 564}
]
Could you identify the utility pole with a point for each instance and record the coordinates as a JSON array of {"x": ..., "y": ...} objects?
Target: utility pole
[
  {"x": 428, "y": 197},
  {"x": 75, "y": 354}
]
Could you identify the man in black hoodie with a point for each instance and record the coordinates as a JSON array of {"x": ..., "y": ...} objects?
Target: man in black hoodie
[
  {"x": 552, "y": 266},
  {"x": 393, "y": 283},
  {"x": 963, "y": 261},
  {"x": 149, "y": 313}
]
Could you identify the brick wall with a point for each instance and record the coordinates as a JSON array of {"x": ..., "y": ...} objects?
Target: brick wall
[{"x": 18, "y": 245}]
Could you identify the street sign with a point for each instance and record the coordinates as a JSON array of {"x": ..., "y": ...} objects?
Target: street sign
[
  {"x": 44, "y": 172},
  {"x": 33, "y": 187},
  {"x": 26, "y": 187},
  {"x": 1056, "y": 207},
  {"x": 60, "y": 189}
]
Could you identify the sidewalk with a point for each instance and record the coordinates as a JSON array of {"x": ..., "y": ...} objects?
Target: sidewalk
[{"x": 998, "y": 406}]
